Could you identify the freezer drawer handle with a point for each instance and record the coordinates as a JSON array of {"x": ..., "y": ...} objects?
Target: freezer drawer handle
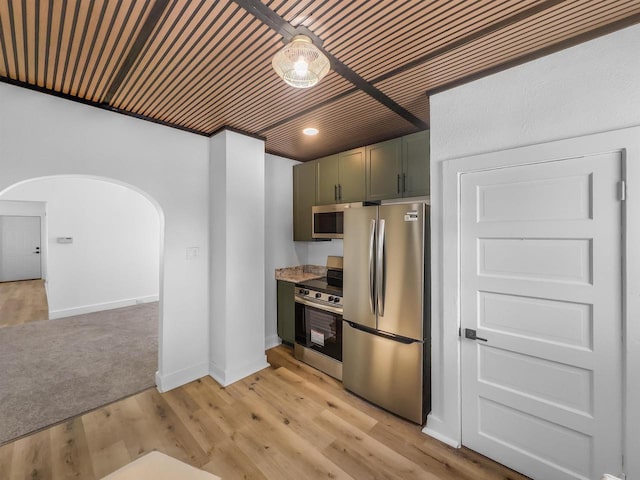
[
  {"x": 378, "y": 333},
  {"x": 471, "y": 335}
]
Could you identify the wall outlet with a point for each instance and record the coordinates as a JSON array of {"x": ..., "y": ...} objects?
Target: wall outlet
[{"x": 193, "y": 252}]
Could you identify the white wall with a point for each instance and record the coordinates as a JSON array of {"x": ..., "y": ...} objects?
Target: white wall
[
  {"x": 114, "y": 258},
  {"x": 280, "y": 250},
  {"x": 589, "y": 88},
  {"x": 42, "y": 135},
  {"x": 237, "y": 224}
]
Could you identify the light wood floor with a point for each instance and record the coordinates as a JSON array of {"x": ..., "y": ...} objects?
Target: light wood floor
[
  {"x": 22, "y": 302},
  {"x": 286, "y": 422}
]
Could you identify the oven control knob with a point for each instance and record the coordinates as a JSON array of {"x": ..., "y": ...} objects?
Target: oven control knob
[
  {"x": 331, "y": 299},
  {"x": 306, "y": 292},
  {"x": 318, "y": 295},
  {"x": 336, "y": 300},
  {"x": 301, "y": 291}
]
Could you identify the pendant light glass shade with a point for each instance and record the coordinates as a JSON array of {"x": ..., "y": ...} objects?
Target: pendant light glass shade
[{"x": 300, "y": 63}]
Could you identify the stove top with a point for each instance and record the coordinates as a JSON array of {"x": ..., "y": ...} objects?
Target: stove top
[
  {"x": 320, "y": 294},
  {"x": 320, "y": 285}
]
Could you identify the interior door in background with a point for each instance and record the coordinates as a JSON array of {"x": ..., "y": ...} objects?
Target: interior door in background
[
  {"x": 19, "y": 248},
  {"x": 541, "y": 288}
]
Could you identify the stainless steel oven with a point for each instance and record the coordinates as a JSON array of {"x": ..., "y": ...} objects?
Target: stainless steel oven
[{"x": 318, "y": 325}]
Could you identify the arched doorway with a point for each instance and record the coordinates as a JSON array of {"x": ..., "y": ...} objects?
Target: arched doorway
[{"x": 111, "y": 215}]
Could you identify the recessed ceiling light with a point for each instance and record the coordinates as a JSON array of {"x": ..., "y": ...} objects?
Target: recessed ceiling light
[{"x": 310, "y": 131}]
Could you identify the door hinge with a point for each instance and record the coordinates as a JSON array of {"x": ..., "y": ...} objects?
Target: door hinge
[{"x": 622, "y": 190}]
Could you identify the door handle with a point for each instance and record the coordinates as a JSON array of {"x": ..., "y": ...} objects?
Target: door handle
[
  {"x": 372, "y": 293},
  {"x": 471, "y": 335},
  {"x": 380, "y": 267}
]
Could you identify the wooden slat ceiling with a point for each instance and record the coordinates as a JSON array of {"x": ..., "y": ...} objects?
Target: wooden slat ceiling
[{"x": 202, "y": 65}]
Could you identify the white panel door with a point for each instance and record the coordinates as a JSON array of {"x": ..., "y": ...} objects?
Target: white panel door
[
  {"x": 541, "y": 286},
  {"x": 20, "y": 248}
]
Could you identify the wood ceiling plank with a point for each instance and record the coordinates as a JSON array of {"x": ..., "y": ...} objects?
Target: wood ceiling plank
[
  {"x": 547, "y": 28},
  {"x": 408, "y": 49},
  {"x": 511, "y": 43},
  {"x": 80, "y": 46},
  {"x": 128, "y": 27},
  {"x": 71, "y": 24},
  {"x": 265, "y": 108},
  {"x": 29, "y": 9},
  {"x": 346, "y": 123},
  {"x": 209, "y": 63},
  {"x": 395, "y": 44},
  {"x": 40, "y": 34},
  {"x": 154, "y": 55},
  {"x": 187, "y": 68},
  {"x": 108, "y": 37},
  {"x": 230, "y": 68},
  {"x": 96, "y": 34},
  {"x": 6, "y": 43},
  {"x": 19, "y": 53}
]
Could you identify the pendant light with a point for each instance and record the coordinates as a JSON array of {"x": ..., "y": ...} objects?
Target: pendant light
[{"x": 300, "y": 63}]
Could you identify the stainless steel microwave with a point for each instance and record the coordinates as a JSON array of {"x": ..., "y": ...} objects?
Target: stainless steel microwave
[{"x": 328, "y": 220}]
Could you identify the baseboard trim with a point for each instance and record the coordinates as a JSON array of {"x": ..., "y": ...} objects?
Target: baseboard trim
[
  {"x": 435, "y": 433},
  {"x": 164, "y": 383},
  {"x": 99, "y": 307},
  {"x": 272, "y": 341},
  {"x": 232, "y": 375}
]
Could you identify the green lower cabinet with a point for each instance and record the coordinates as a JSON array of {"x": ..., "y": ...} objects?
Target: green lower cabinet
[{"x": 286, "y": 311}]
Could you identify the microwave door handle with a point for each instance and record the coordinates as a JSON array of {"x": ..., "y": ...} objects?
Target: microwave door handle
[
  {"x": 372, "y": 236},
  {"x": 380, "y": 270}
]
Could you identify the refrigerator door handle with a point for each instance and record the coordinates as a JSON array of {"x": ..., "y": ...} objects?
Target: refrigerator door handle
[
  {"x": 380, "y": 270},
  {"x": 372, "y": 236}
]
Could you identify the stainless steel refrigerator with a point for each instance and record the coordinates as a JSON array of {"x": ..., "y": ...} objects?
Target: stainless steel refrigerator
[{"x": 386, "y": 327}]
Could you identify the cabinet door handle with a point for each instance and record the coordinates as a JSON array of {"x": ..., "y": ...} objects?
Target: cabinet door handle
[
  {"x": 335, "y": 192},
  {"x": 339, "y": 191},
  {"x": 404, "y": 182},
  {"x": 398, "y": 188}
]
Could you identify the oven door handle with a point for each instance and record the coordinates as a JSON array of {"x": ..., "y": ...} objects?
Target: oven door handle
[{"x": 327, "y": 308}]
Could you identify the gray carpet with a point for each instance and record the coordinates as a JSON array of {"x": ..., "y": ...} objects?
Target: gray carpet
[{"x": 56, "y": 369}]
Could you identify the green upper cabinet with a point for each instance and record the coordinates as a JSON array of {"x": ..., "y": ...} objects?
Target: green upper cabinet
[
  {"x": 415, "y": 164},
  {"x": 341, "y": 177},
  {"x": 384, "y": 170},
  {"x": 328, "y": 179},
  {"x": 398, "y": 168},
  {"x": 351, "y": 187},
  {"x": 304, "y": 197}
]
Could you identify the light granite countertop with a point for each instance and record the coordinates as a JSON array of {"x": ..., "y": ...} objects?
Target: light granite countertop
[{"x": 300, "y": 273}]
